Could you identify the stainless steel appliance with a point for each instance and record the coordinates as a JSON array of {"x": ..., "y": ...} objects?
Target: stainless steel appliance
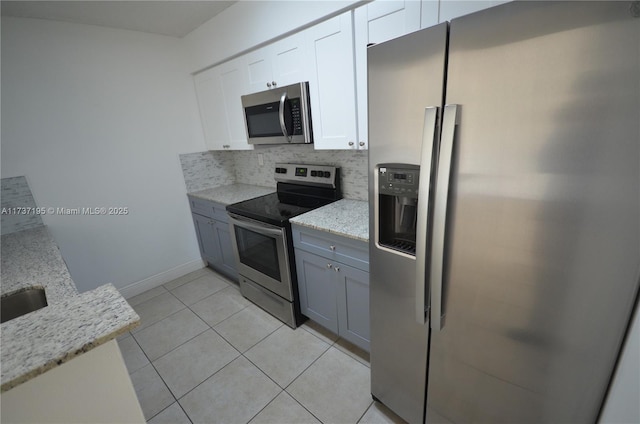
[
  {"x": 262, "y": 241},
  {"x": 278, "y": 116},
  {"x": 517, "y": 127}
]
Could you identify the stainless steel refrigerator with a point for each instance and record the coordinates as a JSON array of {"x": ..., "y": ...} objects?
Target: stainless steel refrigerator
[{"x": 504, "y": 161}]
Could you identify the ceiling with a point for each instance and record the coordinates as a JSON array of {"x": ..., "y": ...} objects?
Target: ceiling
[{"x": 174, "y": 18}]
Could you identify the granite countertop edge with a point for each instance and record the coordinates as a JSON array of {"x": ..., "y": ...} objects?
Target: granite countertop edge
[
  {"x": 346, "y": 217},
  {"x": 69, "y": 326},
  {"x": 232, "y": 193}
]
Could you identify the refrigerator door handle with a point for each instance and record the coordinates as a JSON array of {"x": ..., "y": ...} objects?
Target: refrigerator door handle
[
  {"x": 449, "y": 123},
  {"x": 422, "y": 227}
]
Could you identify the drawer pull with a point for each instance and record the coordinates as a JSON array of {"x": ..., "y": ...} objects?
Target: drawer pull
[
  {"x": 332, "y": 247},
  {"x": 337, "y": 269},
  {"x": 329, "y": 266}
]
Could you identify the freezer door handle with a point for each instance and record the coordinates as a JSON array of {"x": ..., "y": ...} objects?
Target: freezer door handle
[
  {"x": 429, "y": 135},
  {"x": 449, "y": 123}
]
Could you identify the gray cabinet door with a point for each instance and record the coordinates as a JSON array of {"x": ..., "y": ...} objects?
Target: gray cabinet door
[
  {"x": 209, "y": 246},
  {"x": 226, "y": 259},
  {"x": 317, "y": 286},
  {"x": 353, "y": 304}
]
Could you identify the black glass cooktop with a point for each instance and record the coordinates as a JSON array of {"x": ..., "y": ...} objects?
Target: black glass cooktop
[{"x": 277, "y": 208}]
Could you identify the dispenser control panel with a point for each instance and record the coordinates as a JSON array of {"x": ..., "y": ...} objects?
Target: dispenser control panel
[{"x": 398, "y": 181}]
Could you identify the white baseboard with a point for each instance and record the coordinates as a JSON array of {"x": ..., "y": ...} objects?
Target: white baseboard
[{"x": 142, "y": 286}]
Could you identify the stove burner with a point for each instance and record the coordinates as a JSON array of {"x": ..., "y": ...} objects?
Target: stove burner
[{"x": 294, "y": 196}]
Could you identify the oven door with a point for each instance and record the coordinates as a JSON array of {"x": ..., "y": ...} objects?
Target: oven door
[{"x": 261, "y": 254}]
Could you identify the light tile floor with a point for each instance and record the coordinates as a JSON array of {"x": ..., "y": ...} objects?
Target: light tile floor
[{"x": 205, "y": 354}]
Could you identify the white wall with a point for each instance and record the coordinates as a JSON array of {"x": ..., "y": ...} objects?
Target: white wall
[
  {"x": 96, "y": 117},
  {"x": 247, "y": 24}
]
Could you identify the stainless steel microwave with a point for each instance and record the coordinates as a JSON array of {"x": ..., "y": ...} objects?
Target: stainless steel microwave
[{"x": 278, "y": 116}]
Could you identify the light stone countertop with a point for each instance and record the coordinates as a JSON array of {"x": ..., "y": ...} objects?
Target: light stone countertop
[
  {"x": 232, "y": 193},
  {"x": 30, "y": 258},
  {"x": 346, "y": 217},
  {"x": 70, "y": 325}
]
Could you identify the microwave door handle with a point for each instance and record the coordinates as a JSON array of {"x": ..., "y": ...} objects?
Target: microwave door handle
[{"x": 283, "y": 99}]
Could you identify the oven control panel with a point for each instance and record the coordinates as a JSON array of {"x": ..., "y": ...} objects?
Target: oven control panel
[{"x": 309, "y": 174}]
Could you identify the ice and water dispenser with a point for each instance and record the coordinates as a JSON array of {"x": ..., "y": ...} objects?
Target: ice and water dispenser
[{"x": 398, "y": 206}]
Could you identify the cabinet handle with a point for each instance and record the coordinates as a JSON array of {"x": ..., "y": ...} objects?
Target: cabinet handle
[
  {"x": 336, "y": 269},
  {"x": 361, "y": 143},
  {"x": 269, "y": 85},
  {"x": 273, "y": 83},
  {"x": 351, "y": 143},
  {"x": 332, "y": 247},
  {"x": 329, "y": 266}
]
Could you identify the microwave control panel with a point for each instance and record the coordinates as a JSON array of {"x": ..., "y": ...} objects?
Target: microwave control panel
[{"x": 295, "y": 116}]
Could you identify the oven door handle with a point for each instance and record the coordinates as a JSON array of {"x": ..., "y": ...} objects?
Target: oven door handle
[{"x": 259, "y": 228}]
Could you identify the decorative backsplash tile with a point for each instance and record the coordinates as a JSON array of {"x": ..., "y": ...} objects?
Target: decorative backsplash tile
[
  {"x": 210, "y": 169},
  {"x": 204, "y": 170},
  {"x": 18, "y": 206},
  {"x": 353, "y": 166}
]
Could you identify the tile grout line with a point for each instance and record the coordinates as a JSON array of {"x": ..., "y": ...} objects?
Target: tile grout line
[
  {"x": 176, "y": 399},
  {"x": 221, "y": 336},
  {"x": 155, "y": 322},
  {"x": 365, "y": 412},
  {"x": 330, "y": 343},
  {"x": 197, "y": 385},
  {"x": 284, "y": 389},
  {"x": 163, "y": 382}
]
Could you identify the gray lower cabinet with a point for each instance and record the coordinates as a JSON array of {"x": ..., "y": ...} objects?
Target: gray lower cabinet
[
  {"x": 209, "y": 246},
  {"x": 318, "y": 289},
  {"x": 353, "y": 305},
  {"x": 212, "y": 230},
  {"x": 333, "y": 282}
]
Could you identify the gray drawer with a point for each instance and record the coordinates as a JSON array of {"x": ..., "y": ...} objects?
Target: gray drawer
[
  {"x": 331, "y": 246},
  {"x": 209, "y": 209}
]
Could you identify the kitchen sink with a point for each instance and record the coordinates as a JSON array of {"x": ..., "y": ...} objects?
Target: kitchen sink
[{"x": 22, "y": 302}]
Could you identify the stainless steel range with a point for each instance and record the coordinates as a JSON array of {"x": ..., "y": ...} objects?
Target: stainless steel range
[{"x": 262, "y": 241}]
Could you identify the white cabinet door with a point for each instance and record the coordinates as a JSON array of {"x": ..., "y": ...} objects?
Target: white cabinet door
[
  {"x": 212, "y": 112},
  {"x": 278, "y": 64},
  {"x": 332, "y": 83},
  {"x": 377, "y": 22},
  {"x": 233, "y": 80},
  {"x": 429, "y": 10},
  {"x": 219, "y": 90},
  {"x": 450, "y": 9},
  {"x": 259, "y": 69},
  {"x": 289, "y": 61},
  {"x": 387, "y": 19}
]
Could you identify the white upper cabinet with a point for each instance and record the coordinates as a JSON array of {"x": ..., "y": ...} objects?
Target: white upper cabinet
[
  {"x": 450, "y": 9},
  {"x": 332, "y": 92},
  {"x": 219, "y": 90},
  {"x": 278, "y": 64},
  {"x": 377, "y": 22},
  {"x": 387, "y": 19}
]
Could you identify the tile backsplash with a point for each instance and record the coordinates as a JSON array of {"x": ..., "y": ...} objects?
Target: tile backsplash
[
  {"x": 17, "y": 194},
  {"x": 210, "y": 169},
  {"x": 207, "y": 169}
]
